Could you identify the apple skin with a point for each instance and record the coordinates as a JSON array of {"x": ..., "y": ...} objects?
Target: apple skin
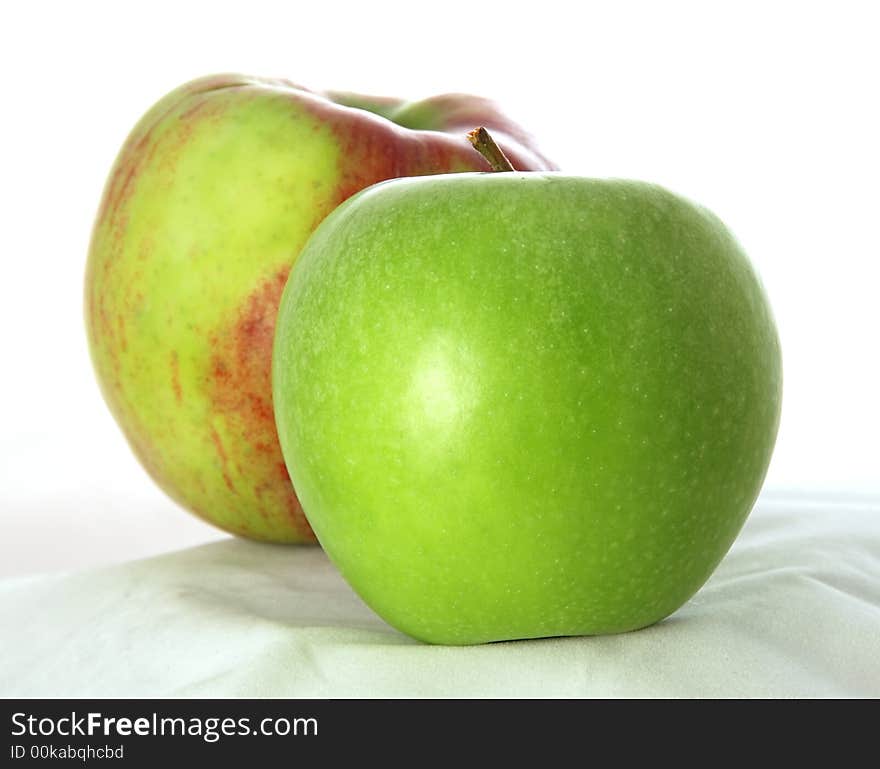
[
  {"x": 525, "y": 405},
  {"x": 206, "y": 209}
]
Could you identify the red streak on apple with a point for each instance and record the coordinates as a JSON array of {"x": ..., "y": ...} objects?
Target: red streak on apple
[
  {"x": 175, "y": 377},
  {"x": 224, "y": 460},
  {"x": 241, "y": 393}
]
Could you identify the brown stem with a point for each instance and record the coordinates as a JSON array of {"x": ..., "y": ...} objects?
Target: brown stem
[{"x": 486, "y": 146}]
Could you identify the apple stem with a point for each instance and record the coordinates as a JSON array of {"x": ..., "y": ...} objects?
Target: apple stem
[{"x": 486, "y": 146}]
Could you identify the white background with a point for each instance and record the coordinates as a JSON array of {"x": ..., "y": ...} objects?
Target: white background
[{"x": 765, "y": 112}]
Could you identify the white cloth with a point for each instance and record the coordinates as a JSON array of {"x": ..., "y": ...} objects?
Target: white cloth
[{"x": 793, "y": 611}]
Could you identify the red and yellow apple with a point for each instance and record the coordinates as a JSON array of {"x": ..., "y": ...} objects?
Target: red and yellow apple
[{"x": 206, "y": 209}]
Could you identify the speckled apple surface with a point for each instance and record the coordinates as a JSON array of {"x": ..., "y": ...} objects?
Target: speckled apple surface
[
  {"x": 206, "y": 209},
  {"x": 523, "y": 405}
]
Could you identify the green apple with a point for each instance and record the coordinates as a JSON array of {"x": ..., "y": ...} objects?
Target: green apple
[
  {"x": 519, "y": 405},
  {"x": 206, "y": 209}
]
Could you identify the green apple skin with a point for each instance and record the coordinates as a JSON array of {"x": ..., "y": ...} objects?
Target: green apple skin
[
  {"x": 206, "y": 209},
  {"x": 525, "y": 405}
]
